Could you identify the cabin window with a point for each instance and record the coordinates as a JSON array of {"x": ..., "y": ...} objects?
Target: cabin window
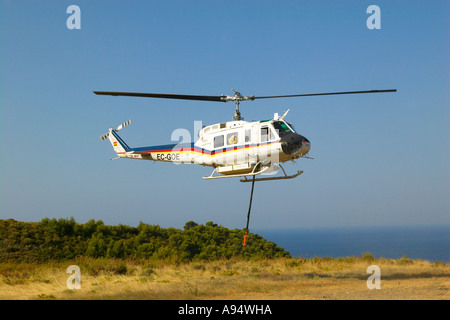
[
  {"x": 232, "y": 138},
  {"x": 264, "y": 134},
  {"x": 218, "y": 141},
  {"x": 248, "y": 135}
]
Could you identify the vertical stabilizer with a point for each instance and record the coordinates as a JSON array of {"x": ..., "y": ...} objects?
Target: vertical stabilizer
[{"x": 116, "y": 141}]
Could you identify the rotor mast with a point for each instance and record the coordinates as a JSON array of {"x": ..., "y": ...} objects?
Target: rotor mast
[
  {"x": 237, "y": 114},
  {"x": 237, "y": 98}
]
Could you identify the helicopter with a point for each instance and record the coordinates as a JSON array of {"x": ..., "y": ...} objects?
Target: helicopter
[{"x": 235, "y": 148}]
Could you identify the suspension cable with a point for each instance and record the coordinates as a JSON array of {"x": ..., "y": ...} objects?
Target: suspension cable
[{"x": 248, "y": 214}]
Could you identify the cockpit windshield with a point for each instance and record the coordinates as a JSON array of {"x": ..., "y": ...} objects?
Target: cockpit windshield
[{"x": 281, "y": 128}]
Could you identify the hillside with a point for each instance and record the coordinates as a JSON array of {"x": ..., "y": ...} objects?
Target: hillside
[
  {"x": 198, "y": 262},
  {"x": 65, "y": 239}
]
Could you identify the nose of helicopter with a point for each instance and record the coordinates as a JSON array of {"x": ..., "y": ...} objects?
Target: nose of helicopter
[{"x": 295, "y": 144}]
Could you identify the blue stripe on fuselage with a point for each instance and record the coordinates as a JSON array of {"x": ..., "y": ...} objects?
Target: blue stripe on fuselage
[
  {"x": 192, "y": 146},
  {"x": 164, "y": 147}
]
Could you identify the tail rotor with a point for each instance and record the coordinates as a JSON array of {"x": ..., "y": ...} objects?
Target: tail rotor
[
  {"x": 120, "y": 127},
  {"x": 118, "y": 144}
]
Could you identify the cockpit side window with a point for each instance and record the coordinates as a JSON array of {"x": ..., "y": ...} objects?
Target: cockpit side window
[{"x": 267, "y": 134}]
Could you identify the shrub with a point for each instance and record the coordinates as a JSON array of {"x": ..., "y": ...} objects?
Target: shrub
[
  {"x": 438, "y": 264},
  {"x": 367, "y": 256},
  {"x": 404, "y": 261}
]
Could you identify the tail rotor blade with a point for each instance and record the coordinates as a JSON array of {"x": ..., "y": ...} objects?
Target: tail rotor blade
[
  {"x": 123, "y": 125},
  {"x": 103, "y": 137}
]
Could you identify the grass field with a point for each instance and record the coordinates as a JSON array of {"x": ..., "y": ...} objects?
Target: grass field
[{"x": 284, "y": 278}]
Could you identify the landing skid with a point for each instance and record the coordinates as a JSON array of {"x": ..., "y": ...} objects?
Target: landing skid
[
  {"x": 253, "y": 173},
  {"x": 275, "y": 178}
]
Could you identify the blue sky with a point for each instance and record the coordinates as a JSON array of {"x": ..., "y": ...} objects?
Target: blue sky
[{"x": 380, "y": 159}]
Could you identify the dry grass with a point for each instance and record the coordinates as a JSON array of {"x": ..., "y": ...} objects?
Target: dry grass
[{"x": 318, "y": 278}]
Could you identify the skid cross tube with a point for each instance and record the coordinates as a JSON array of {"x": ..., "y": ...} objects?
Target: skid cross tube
[
  {"x": 253, "y": 173},
  {"x": 275, "y": 178}
]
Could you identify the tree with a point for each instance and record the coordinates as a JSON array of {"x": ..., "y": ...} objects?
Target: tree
[{"x": 189, "y": 225}]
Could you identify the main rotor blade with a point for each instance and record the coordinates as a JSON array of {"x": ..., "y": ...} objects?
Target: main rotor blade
[
  {"x": 326, "y": 94},
  {"x": 162, "y": 95}
]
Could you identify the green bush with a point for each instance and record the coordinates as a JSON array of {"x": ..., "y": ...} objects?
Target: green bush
[
  {"x": 65, "y": 239},
  {"x": 404, "y": 261},
  {"x": 367, "y": 256}
]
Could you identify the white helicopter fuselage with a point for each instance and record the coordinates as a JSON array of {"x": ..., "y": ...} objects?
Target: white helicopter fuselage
[{"x": 234, "y": 148}]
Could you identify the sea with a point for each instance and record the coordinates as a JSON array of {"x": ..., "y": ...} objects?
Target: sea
[{"x": 430, "y": 243}]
